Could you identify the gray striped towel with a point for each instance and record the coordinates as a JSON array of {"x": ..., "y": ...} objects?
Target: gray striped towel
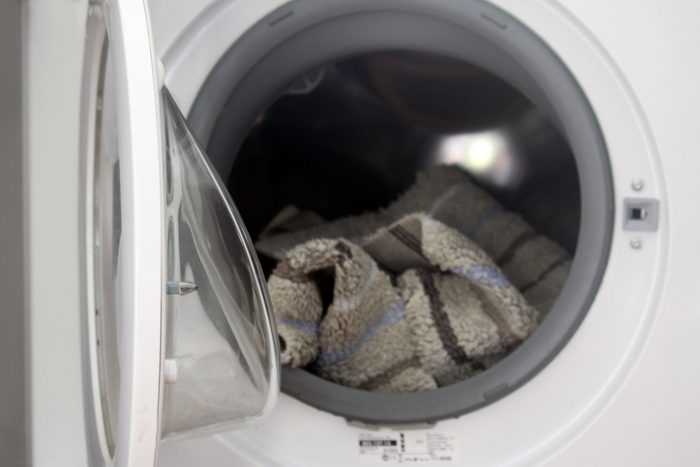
[
  {"x": 414, "y": 306},
  {"x": 534, "y": 264}
]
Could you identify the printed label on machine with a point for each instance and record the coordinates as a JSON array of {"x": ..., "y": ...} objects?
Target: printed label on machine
[{"x": 407, "y": 447}]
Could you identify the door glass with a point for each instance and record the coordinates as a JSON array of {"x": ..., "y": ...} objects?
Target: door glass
[
  {"x": 106, "y": 241},
  {"x": 221, "y": 364}
]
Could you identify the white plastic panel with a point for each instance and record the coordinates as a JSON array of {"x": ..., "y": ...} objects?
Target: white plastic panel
[
  {"x": 53, "y": 40},
  {"x": 139, "y": 278}
]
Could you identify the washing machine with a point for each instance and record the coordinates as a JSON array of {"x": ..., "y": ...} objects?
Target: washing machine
[{"x": 164, "y": 136}]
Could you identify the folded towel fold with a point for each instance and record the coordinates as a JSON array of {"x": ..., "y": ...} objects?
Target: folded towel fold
[
  {"x": 414, "y": 306},
  {"x": 534, "y": 264}
]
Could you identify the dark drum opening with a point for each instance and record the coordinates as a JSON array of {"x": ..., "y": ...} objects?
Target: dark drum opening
[
  {"x": 371, "y": 122},
  {"x": 336, "y": 107}
]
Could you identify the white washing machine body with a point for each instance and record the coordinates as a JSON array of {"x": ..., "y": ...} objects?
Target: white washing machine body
[
  {"x": 593, "y": 404},
  {"x": 621, "y": 392}
]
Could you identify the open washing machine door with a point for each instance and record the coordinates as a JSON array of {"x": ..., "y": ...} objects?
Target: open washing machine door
[{"x": 178, "y": 331}]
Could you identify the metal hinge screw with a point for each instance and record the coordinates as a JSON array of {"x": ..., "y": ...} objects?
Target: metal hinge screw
[{"x": 180, "y": 288}]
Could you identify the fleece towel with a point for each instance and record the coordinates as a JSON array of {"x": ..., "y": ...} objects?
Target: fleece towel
[
  {"x": 417, "y": 305},
  {"x": 534, "y": 264}
]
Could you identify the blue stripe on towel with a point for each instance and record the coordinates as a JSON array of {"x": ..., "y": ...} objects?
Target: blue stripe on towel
[
  {"x": 483, "y": 274},
  {"x": 482, "y": 219},
  {"x": 391, "y": 316},
  {"x": 308, "y": 327}
]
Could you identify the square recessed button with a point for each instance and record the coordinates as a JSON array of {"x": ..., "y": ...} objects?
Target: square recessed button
[
  {"x": 641, "y": 215},
  {"x": 638, "y": 214}
]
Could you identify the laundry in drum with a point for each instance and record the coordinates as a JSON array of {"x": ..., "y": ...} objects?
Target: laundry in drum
[{"x": 436, "y": 287}]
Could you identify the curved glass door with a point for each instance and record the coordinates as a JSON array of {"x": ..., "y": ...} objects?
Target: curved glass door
[
  {"x": 106, "y": 216},
  {"x": 221, "y": 366}
]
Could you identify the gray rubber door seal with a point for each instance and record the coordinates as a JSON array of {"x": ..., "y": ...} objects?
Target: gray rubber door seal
[{"x": 306, "y": 34}]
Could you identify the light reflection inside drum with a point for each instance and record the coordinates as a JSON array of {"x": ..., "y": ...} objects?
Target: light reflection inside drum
[{"x": 490, "y": 156}]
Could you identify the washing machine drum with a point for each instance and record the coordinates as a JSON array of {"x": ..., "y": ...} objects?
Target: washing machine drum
[{"x": 307, "y": 107}]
